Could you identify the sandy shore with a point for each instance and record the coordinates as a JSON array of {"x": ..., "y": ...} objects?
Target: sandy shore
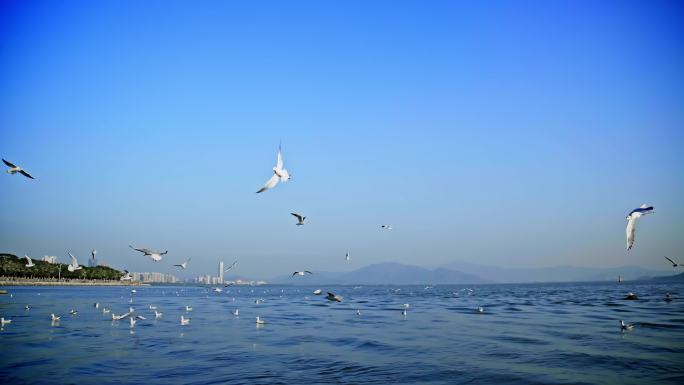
[{"x": 72, "y": 283}]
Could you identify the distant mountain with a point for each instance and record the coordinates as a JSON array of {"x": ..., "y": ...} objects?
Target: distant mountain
[
  {"x": 670, "y": 278},
  {"x": 384, "y": 274},
  {"x": 556, "y": 273}
]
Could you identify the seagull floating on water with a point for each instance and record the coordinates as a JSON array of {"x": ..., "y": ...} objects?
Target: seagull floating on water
[
  {"x": 218, "y": 290},
  {"x": 301, "y": 272},
  {"x": 15, "y": 169},
  {"x": 631, "y": 222},
  {"x": 27, "y": 307},
  {"x": 624, "y": 326},
  {"x": 96, "y": 305},
  {"x": 155, "y": 255},
  {"x": 184, "y": 265},
  {"x": 29, "y": 262},
  {"x": 73, "y": 266},
  {"x": 674, "y": 264},
  {"x": 184, "y": 321},
  {"x": 480, "y": 309},
  {"x": 259, "y": 321},
  {"x": 105, "y": 310},
  {"x": 188, "y": 308},
  {"x": 280, "y": 174},
  {"x": 300, "y": 219},
  {"x": 334, "y": 297},
  {"x": 4, "y": 321},
  {"x": 317, "y": 292},
  {"x": 157, "y": 314},
  {"x": 236, "y": 312},
  {"x": 54, "y": 317}
]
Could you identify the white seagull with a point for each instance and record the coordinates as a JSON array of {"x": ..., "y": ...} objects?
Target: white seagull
[
  {"x": 236, "y": 312},
  {"x": 317, "y": 292},
  {"x": 126, "y": 277},
  {"x": 29, "y": 262},
  {"x": 347, "y": 257},
  {"x": 15, "y": 169},
  {"x": 624, "y": 326},
  {"x": 155, "y": 255},
  {"x": 301, "y": 272},
  {"x": 4, "y": 321},
  {"x": 631, "y": 222},
  {"x": 185, "y": 321},
  {"x": 300, "y": 219},
  {"x": 188, "y": 308},
  {"x": 133, "y": 321},
  {"x": 259, "y": 321},
  {"x": 218, "y": 290},
  {"x": 184, "y": 265},
  {"x": 674, "y": 264},
  {"x": 73, "y": 266},
  {"x": 280, "y": 174},
  {"x": 54, "y": 317},
  {"x": 386, "y": 227},
  {"x": 157, "y": 314}
]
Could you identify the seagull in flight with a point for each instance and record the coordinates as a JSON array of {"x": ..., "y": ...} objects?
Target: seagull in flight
[
  {"x": 184, "y": 265},
  {"x": 301, "y": 272},
  {"x": 29, "y": 262},
  {"x": 155, "y": 255},
  {"x": 15, "y": 169},
  {"x": 73, "y": 266},
  {"x": 126, "y": 277},
  {"x": 631, "y": 222},
  {"x": 347, "y": 257},
  {"x": 300, "y": 219},
  {"x": 334, "y": 297},
  {"x": 674, "y": 264},
  {"x": 230, "y": 267},
  {"x": 280, "y": 174},
  {"x": 386, "y": 227}
]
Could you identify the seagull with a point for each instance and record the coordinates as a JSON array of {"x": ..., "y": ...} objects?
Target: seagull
[
  {"x": 126, "y": 277},
  {"x": 279, "y": 174},
  {"x": 139, "y": 317},
  {"x": 155, "y": 255},
  {"x": 229, "y": 267},
  {"x": 218, "y": 290},
  {"x": 120, "y": 317},
  {"x": 105, "y": 310},
  {"x": 27, "y": 307},
  {"x": 480, "y": 309},
  {"x": 157, "y": 314},
  {"x": 96, "y": 305},
  {"x": 188, "y": 308},
  {"x": 73, "y": 312},
  {"x": 406, "y": 306},
  {"x": 300, "y": 219},
  {"x": 317, "y": 292},
  {"x": 333, "y": 297},
  {"x": 624, "y": 326},
  {"x": 54, "y": 317},
  {"x": 674, "y": 264},
  {"x": 236, "y": 312},
  {"x": 358, "y": 312},
  {"x": 4, "y": 321},
  {"x": 73, "y": 266},
  {"x": 631, "y": 222},
  {"x": 347, "y": 257},
  {"x": 15, "y": 169},
  {"x": 133, "y": 291},
  {"x": 93, "y": 253},
  {"x": 184, "y": 264},
  {"x": 31, "y": 264},
  {"x": 301, "y": 272},
  {"x": 152, "y": 307},
  {"x": 185, "y": 321},
  {"x": 259, "y": 321},
  {"x": 386, "y": 227},
  {"x": 404, "y": 312},
  {"x": 133, "y": 321},
  {"x": 258, "y": 301}
]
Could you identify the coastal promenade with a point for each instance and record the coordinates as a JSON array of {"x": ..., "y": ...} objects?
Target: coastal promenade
[{"x": 10, "y": 281}]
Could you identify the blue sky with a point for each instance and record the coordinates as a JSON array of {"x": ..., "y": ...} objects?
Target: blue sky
[{"x": 515, "y": 133}]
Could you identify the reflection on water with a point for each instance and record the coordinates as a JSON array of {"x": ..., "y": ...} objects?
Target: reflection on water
[{"x": 533, "y": 333}]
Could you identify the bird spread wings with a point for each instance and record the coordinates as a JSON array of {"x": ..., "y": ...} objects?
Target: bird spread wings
[
  {"x": 24, "y": 173},
  {"x": 9, "y": 164},
  {"x": 299, "y": 217},
  {"x": 279, "y": 163},
  {"x": 673, "y": 262},
  {"x": 270, "y": 183},
  {"x": 28, "y": 259},
  {"x": 74, "y": 262},
  {"x": 631, "y": 223},
  {"x": 231, "y": 266}
]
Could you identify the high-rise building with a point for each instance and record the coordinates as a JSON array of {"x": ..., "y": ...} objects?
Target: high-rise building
[
  {"x": 50, "y": 259},
  {"x": 221, "y": 272}
]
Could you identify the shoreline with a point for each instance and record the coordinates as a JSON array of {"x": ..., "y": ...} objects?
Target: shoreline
[{"x": 71, "y": 283}]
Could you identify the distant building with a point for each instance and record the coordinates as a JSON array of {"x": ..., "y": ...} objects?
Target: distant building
[
  {"x": 221, "y": 272},
  {"x": 49, "y": 259},
  {"x": 154, "y": 277}
]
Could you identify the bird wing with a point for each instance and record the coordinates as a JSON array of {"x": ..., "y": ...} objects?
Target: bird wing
[
  {"x": 179, "y": 265},
  {"x": 142, "y": 250},
  {"x": 299, "y": 217},
  {"x": 295, "y": 273},
  {"x": 673, "y": 262},
  {"x": 231, "y": 266},
  {"x": 270, "y": 183},
  {"x": 307, "y": 271},
  {"x": 630, "y": 231},
  {"x": 279, "y": 164},
  {"x": 74, "y": 262},
  {"x": 9, "y": 164},
  {"x": 28, "y": 259},
  {"x": 644, "y": 206},
  {"x": 24, "y": 173}
]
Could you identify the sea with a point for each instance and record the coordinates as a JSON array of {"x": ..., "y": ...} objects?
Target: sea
[{"x": 565, "y": 333}]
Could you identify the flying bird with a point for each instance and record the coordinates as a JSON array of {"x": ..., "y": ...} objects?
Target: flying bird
[
  {"x": 334, "y": 297},
  {"x": 674, "y": 264},
  {"x": 301, "y": 272},
  {"x": 29, "y": 262},
  {"x": 15, "y": 169},
  {"x": 280, "y": 174},
  {"x": 230, "y": 267},
  {"x": 347, "y": 257},
  {"x": 4, "y": 321},
  {"x": 300, "y": 219},
  {"x": 386, "y": 227},
  {"x": 184, "y": 321},
  {"x": 73, "y": 266},
  {"x": 155, "y": 255},
  {"x": 631, "y": 222},
  {"x": 126, "y": 277},
  {"x": 184, "y": 264}
]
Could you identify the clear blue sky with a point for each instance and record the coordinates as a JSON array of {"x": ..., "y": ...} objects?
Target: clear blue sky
[{"x": 516, "y": 133}]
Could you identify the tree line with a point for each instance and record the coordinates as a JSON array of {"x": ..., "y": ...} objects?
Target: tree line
[{"x": 13, "y": 266}]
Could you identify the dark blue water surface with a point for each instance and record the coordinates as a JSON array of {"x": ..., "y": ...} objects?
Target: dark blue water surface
[{"x": 527, "y": 334}]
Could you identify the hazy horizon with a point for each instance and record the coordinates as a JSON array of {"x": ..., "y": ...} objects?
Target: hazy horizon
[{"x": 523, "y": 145}]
